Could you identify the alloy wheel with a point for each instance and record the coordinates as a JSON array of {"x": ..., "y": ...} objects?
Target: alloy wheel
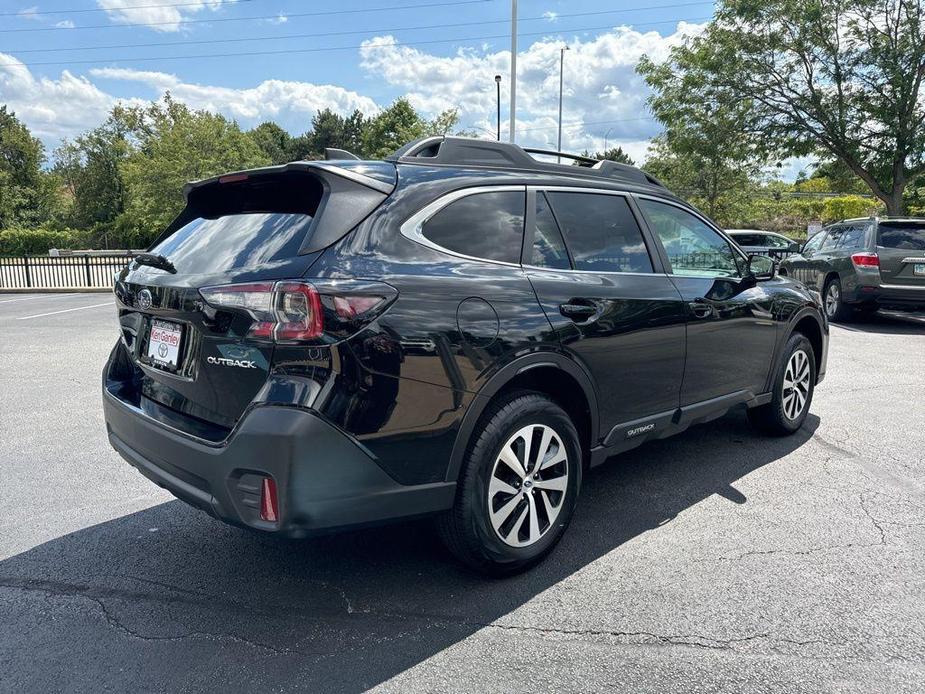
[
  {"x": 528, "y": 484},
  {"x": 796, "y": 384},
  {"x": 832, "y": 297}
]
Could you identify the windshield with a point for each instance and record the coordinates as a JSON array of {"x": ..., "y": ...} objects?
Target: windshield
[{"x": 907, "y": 236}]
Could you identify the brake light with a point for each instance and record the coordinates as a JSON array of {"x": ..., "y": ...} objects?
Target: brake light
[
  {"x": 866, "y": 260},
  {"x": 296, "y": 311}
]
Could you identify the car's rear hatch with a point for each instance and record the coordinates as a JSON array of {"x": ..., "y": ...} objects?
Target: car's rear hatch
[
  {"x": 252, "y": 227},
  {"x": 901, "y": 247}
]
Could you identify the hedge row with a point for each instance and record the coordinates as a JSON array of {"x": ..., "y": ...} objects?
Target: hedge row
[{"x": 38, "y": 241}]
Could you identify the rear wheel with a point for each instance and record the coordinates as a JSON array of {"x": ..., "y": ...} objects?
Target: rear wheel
[
  {"x": 835, "y": 308},
  {"x": 792, "y": 390},
  {"x": 518, "y": 486}
]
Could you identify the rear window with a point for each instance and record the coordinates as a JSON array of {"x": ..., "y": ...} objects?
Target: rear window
[
  {"x": 908, "y": 237},
  {"x": 243, "y": 224}
]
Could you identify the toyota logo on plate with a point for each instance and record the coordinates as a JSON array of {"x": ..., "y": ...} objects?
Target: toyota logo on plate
[
  {"x": 162, "y": 350},
  {"x": 143, "y": 299}
]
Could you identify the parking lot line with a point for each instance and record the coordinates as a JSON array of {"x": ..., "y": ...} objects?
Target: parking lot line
[
  {"x": 33, "y": 297},
  {"x": 66, "y": 310}
]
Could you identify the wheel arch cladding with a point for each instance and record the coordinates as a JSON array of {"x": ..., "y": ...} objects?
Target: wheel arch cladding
[{"x": 552, "y": 374}]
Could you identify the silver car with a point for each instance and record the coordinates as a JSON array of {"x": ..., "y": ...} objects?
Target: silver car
[{"x": 756, "y": 242}]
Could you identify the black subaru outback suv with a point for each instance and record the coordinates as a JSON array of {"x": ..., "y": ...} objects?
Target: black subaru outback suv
[{"x": 460, "y": 330}]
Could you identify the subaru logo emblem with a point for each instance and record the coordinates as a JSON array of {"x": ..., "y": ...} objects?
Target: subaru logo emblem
[{"x": 143, "y": 299}]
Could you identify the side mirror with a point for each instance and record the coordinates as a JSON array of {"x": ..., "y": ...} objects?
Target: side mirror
[
  {"x": 795, "y": 247},
  {"x": 761, "y": 267}
]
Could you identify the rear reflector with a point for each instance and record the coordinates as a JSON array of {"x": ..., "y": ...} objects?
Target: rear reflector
[
  {"x": 269, "y": 504},
  {"x": 866, "y": 260}
]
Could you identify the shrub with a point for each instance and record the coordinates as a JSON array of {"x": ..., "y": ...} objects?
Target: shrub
[{"x": 38, "y": 241}]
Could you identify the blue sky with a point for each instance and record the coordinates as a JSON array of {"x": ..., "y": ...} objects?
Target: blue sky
[{"x": 359, "y": 54}]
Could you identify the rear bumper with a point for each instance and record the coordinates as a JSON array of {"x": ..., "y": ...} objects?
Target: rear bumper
[
  {"x": 892, "y": 296},
  {"x": 325, "y": 480}
]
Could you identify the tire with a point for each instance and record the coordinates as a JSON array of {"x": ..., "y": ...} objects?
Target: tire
[
  {"x": 779, "y": 417},
  {"x": 483, "y": 498},
  {"x": 835, "y": 309}
]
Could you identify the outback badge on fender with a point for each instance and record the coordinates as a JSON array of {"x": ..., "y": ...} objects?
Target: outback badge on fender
[{"x": 241, "y": 363}]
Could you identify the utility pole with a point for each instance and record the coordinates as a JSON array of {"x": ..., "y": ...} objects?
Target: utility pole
[
  {"x": 561, "y": 65},
  {"x": 498, "y": 86},
  {"x": 513, "y": 66}
]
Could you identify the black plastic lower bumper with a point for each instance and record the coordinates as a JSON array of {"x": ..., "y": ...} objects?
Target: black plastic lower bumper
[
  {"x": 897, "y": 297},
  {"x": 325, "y": 480}
]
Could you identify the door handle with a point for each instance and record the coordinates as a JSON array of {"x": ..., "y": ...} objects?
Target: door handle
[
  {"x": 700, "y": 308},
  {"x": 577, "y": 312}
]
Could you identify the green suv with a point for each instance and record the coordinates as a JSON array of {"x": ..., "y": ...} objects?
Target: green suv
[{"x": 864, "y": 264}]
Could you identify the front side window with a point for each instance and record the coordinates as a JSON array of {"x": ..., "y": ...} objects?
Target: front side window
[
  {"x": 777, "y": 242},
  {"x": 601, "y": 232},
  {"x": 693, "y": 248},
  {"x": 814, "y": 243},
  {"x": 482, "y": 225}
]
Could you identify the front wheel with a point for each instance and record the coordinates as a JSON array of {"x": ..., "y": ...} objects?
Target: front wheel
[
  {"x": 518, "y": 486},
  {"x": 793, "y": 387}
]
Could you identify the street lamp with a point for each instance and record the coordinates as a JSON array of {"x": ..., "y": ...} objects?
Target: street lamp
[
  {"x": 513, "y": 67},
  {"x": 498, "y": 86},
  {"x": 561, "y": 64}
]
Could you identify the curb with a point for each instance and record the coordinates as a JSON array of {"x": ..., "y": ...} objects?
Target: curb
[{"x": 55, "y": 290}]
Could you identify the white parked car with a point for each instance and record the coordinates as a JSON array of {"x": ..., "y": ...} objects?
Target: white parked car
[{"x": 754, "y": 241}]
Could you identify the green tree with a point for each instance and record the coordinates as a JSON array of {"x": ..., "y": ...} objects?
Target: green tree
[
  {"x": 273, "y": 141},
  {"x": 174, "y": 145},
  {"x": 615, "y": 154},
  {"x": 391, "y": 128},
  {"x": 706, "y": 137},
  {"x": 89, "y": 169},
  {"x": 22, "y": 188},
  {"x": 838, "y": 79}
]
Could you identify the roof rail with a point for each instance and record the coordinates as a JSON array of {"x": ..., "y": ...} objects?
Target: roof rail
[{"x": 466, "y": 151}]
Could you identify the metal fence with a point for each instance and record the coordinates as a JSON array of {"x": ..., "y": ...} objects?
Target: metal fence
[{"x": 91, "y": 270}]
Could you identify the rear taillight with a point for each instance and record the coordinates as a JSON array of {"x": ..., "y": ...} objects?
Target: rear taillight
[
  {"x": 295, "y": 311},
  {"x": 866, "y": 260}
]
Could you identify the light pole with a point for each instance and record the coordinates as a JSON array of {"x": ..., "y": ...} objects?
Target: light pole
[
  {"x": 513, "y": 66},
  {"x": 605, "y": 138},
  {"x": 561, "y": 65},
  {"x": 498, "y": 87}
]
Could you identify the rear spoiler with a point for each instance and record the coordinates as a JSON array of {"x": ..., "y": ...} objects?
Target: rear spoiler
[{"x": 351, "y": 193}]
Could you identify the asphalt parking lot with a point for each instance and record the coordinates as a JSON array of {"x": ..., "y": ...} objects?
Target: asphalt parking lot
[{"x": 717, "y": 560}]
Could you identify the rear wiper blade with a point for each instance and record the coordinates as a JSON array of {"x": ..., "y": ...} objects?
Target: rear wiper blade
[{"x": 156, "y": 261}]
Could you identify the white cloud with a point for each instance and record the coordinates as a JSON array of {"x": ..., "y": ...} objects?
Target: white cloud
[
  {"x": 29, "y": 13},
  {"x": 52, "y": 108},
  {"x": 278, "y": 19},
  {"x": 551, "y": 16},
  {"x": 291, "y": 104},
  {"x": 603, "y": 94},
  {"x": 65, "y": 24},
  {"x": 164, "y": 15}
]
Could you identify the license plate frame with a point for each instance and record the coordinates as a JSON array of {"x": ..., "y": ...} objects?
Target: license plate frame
[{"x": 164, "y": 347}]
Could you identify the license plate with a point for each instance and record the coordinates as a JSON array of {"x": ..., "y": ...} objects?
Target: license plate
[
  {"x": 918, "y": 269},
  {"x": 164, "y": 343}
]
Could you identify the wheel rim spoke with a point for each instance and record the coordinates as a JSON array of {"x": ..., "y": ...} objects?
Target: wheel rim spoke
[
  {"x": 556, "y": 484},
  {"x": 499, "y": 517},
  {"x": 509, "y": 458}
]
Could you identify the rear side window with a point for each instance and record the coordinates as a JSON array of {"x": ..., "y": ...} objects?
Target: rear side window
[
  {"x": 483, "y": 225},
  {"x": 601, "y": 232},
  {"x": 548, "y": 247},
  {"x": 905, "y": 236},
  {"x": 853, "y": 236}
]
